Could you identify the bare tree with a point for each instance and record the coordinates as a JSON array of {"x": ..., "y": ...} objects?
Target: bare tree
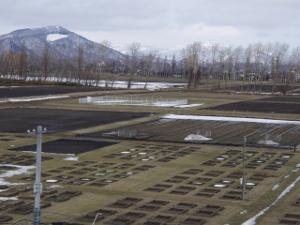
[
  {"x": 158, "y": 64},
  {"x": 22, "y": 66},
  {"x": 79, "y": 62},
  {"x": 149, "y": 61},
  {"x": 46, "y": 60},
  {"x": 257, "y": 55},
  {"x": 280, "y": 51},
  {"x": 191, "y": 55},
  {"x": 133, "y": 51},
  {"x": 248, "y": 67},
  {"x": 104, "y": 51},
  {"x": 266, "y": 57},
  {"x": 149, "y": 64},
  {"x": 173, "y": 65},
  {"x": 228, "y": 63},
  {"x": 294, "y": 66},
  {"x": 211, "y": 63},
  {"x": 2, "y": 60},
  {"x": 237, "y": 61}
]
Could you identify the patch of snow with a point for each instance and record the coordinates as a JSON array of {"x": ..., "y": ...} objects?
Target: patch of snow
[
  {"x": 232, "y": 119},
  {"x": 71, "y": 159},
  {"x": 55, "y": 37},
  {"x": 51, "y": 181},
  {"x": 268, "y": 142},
  {"x": 275, "y": 187},
  {"x": 187, "y": 106},
  {"x": 244, "y": 212},
  {"x": 56, "y": 186},
  {"x": 196, "y": 137},
  {"x": 8, "y": 199},
  {"x": 252, "y": 220},
  {"x": 19, "y": 170},
  {"x": 220, "y": 185},
  {"x": 33, "y": 99}
]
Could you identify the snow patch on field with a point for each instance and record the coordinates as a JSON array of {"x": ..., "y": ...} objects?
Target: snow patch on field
[
  {"x": 267, "y": 142},
  {"x": 196, "y": 137},
  {"x": 19, "y": 170},
  {"x": 8, "y": 199},
  {"x": 32, "y": 99},
  {"x": 275, "y": 187},
  {"x": 188, "y": 106},
  {"x": 231, "y": 119},
  {"x": 252, "y": 220},
  {"x": 71, "y": 159}
]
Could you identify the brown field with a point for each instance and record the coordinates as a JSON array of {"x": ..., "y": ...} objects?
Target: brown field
[{"x": 153, "y": 177}]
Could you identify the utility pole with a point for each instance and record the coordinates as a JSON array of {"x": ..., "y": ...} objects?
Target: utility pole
[
  {"x": 37, "y": 184},
  {"x": 244, "y": 168},
  {"x": 244, "y": 164}
]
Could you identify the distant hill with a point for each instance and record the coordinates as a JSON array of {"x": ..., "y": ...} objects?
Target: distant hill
[{"x": 60, "y": 40}]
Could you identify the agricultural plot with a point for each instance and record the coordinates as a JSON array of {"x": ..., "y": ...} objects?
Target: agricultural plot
[
  {"x": 58, "y": 120},
  {"x": 212, "y": 131},
  {"x": 66, "y": 146},
  {"x": 197, "y": 194},
  {"x": 151, "y": 175},
  {"x": 277, "y": 104},
  {"x": 282, "y": 99},
  {"x": 264, "y": 88},
  {"x": 264, "y": 107},
  {"x": 25, "y": 91}
]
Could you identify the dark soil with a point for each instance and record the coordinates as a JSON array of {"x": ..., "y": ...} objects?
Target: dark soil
[
  {"x": 56, "y": 120},
  {"x": 66, "y": 146},
  {"x": 283, "y": 99},
  {"x": 264, "y": 88},
  {"x": 25, "y": 91},
  {"x": 265, "y": 107}
]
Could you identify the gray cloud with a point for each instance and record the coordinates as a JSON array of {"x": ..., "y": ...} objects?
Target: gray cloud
[{"x": 158, "y": 21}]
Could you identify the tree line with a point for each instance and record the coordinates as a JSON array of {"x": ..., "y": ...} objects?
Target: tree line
[{"x": 256, "y": 63}]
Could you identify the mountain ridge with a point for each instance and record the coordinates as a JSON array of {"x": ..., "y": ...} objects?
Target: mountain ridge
[{"x": 35, "y": 39}]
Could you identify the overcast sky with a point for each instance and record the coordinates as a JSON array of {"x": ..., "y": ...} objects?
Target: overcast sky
[{"x": 161, "y": 23}]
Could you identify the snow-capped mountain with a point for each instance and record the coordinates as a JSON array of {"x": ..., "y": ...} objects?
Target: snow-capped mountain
[
  {"x": 161, "y": 52},
  {"x": 64, "y": 43},
  {"x": 61, "y": 42}
]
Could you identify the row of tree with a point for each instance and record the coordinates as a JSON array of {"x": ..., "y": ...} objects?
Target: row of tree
[{"x": 256, "y": 63}]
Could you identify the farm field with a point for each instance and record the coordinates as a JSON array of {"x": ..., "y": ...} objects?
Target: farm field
[
  {"x": 265, "y": 107},
  {"x": 264, "y": 88},
  {"x": 153, "y": 177},
  {"x": 221, "y": 132},
  {"x": 58, "y": 120},
  {"x": 25, "y": 91}
]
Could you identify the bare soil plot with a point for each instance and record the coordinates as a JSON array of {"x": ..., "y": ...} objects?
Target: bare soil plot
[
  {"x": 25, "y": 91},
  {"x": 264, "y": 88},
  {"x": 265, "y": 107},
  {"x": 283, "y": 99},
  {"x": 66, "y": 146},
  {"x": 22, "y": 119}
]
